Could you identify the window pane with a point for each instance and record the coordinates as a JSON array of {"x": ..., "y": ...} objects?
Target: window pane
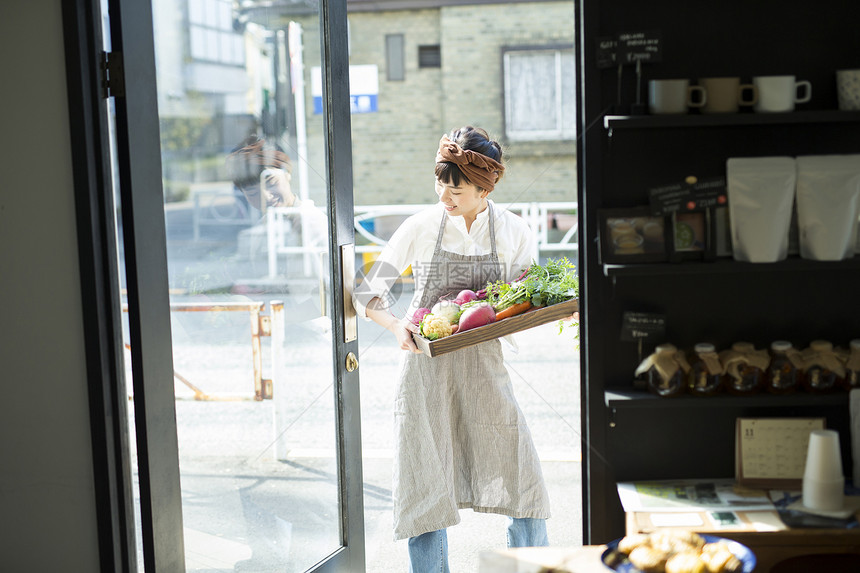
[
  {"x": 568, "y": 95},
  {"x": 394, "y": 57},
  {"x": 531, "y": 92}
]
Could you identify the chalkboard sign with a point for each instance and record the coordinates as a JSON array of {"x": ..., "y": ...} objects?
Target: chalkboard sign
[
  {"x": 606, "y": 52},
  {"x": 639, "y": 47},
  {"x": 629, "y": 48},
  {"x": 689, "y": 195},
  {"x": 636, "y": 326}
]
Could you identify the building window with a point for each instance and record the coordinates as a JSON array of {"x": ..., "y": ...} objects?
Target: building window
[
  {"x": 395, "y": 69},
  {"x": 211, "y": 34},
  {"x": 540, "y": 87},
  {"x": 429, "y": 57}
]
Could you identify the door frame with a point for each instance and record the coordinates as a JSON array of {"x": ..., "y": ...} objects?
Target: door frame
[{"x": 144, "y": 243}]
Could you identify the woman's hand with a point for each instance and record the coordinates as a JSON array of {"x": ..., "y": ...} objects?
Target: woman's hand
[
  {"x": 572, "y": 318},
  {"x": 403, "y": 330}
]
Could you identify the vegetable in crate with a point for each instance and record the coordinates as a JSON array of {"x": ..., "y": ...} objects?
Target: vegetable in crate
[
  {"x": 540, "y": 285},
  {"x": 476, "y": 315},
  {"x": 434, "y": 327}
]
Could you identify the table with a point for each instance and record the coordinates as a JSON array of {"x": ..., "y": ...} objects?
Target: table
[
  {"x": 767, "y": 536},
  {"x": 584, "y": 559}
]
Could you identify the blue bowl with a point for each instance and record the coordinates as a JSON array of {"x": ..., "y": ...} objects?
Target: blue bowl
[{"x": 741, "y": 551}]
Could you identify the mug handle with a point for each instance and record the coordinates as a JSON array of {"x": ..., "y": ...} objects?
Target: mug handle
[
  {"x": 750, "y": 88},
  {"x": 692, "y": 91},
  {"x": 804, "y": 86}
]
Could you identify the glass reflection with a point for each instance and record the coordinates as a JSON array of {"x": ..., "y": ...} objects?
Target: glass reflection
[{"x": 246, "y": 210}]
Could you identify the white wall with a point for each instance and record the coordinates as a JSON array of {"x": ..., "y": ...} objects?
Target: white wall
[{"x": 47, "y": 499}]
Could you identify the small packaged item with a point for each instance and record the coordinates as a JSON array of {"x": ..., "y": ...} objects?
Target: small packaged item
[
  {"x": 828, "y": 202},
  {"x": 666, "y": 371},
  {"x": 823, "y": 371},
  {"x": 706, "y": 372},
  {"x": 852, "y": 365},
  {"x": 784, "y": 373},
  {"x": 744, "y": 367},
  {"x": 761, "y": 194}
]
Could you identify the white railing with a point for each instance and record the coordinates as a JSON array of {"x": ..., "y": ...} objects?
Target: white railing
[{"x": 542, "y": 218}]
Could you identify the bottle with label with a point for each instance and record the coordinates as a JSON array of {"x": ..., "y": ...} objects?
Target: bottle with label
[
  {"x": 784, "y": 373},
  {"x": 706, "y": 372},
  {"x": 665, "y": 371},
  {"x": 744, "y": 367},
  {"x": 823, "y": 372},
  {"x": 852, "y": 365}
]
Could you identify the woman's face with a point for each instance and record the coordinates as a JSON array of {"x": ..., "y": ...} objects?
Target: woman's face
[
  {"x": 274, "y": 191},
  {"x": 464, "y": 200}
]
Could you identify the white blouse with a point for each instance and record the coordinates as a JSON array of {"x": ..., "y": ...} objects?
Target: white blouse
[{"x": 414, "y": 241}]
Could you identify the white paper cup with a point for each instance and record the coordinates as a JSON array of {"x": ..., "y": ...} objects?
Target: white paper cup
[{"x": 823, "y": 481}]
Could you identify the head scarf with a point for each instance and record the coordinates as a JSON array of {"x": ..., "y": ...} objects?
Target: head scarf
[{"x": 481, "y": 170}]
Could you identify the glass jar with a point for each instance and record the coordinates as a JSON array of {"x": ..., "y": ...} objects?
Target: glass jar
[
  {"x": 706, "y": 372},
  {"x": 784, "y": 373},
  {"x": 744, "y": 367},
  {"x": 665, "y": 371},
  {"x": 852, "y": 366},
  {"x": 823, "y": 372}
]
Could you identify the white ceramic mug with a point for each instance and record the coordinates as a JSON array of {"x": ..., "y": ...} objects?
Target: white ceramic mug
[
  {"x": 780, "y": 93},
  {"x": 848, "y": 89},
  {"x": 674, "y": 96}
]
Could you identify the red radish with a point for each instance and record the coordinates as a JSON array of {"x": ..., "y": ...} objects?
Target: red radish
[
  {"x": 419, "y": 314},
  {"x": 475, "y": 316},
  {"x": 466, "y": 296}
]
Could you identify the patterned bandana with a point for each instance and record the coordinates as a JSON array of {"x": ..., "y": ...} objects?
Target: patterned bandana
[{"x": 481, "y": 170}]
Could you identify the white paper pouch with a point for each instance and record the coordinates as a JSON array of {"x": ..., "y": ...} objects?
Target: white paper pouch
[
  {"x": 828, "y": 204},
  {"x": 761, "y": 200}
]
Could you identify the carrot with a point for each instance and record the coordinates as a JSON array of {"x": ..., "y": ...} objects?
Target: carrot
[{"x": 514, "y": 310}]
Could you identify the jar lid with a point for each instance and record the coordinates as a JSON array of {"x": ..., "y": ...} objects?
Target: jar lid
[
  {"x": 821, "y": 345},
  {"x": 743, "y": 346},
  {"x": 780, "y": 345},
  {"x": 855, "y": 344},
  {"x": 704, "y": 347},
  {"x": 661, "y": 348}
]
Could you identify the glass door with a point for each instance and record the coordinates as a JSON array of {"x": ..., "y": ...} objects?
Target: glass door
[{"x": 234, "y": 167}]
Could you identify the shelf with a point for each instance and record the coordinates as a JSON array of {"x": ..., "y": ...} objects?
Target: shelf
[
  {"x": 727, "y": 266},
  {"x": 723, "y": 120},
  {"x": 627, "y": 399}
]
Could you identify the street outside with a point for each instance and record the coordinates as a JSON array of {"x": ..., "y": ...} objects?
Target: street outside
[{"x": 246, "y": 510}]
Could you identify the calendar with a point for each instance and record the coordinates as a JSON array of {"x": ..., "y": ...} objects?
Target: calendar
[{"x": 771, "y": 452}]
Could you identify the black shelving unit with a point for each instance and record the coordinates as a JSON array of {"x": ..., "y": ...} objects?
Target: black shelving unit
[{"x": 632, "y": 435}]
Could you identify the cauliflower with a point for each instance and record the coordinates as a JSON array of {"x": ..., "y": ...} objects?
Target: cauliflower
[{"x": 434, "y": 327}]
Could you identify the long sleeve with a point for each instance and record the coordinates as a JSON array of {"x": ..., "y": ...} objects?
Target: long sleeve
[{"x": 394, "y": 259}]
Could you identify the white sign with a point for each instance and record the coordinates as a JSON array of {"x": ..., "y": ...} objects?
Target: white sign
[{"x": 363, "y": 88}]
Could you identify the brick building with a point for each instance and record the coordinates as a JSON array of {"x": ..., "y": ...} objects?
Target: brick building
[{"x": 505, "y": 66}]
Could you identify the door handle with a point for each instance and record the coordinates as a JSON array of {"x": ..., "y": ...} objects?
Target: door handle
[{"x": 350, "y": 321}]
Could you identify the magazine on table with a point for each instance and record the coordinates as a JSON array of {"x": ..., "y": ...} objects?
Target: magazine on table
[{"x": 691, "y": 496}]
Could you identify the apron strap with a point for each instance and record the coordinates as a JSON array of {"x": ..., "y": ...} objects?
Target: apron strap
[{"x": 438, "y": 248}]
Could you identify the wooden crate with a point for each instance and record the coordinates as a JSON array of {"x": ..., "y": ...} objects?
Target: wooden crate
[{"x": 530, "y": 319}]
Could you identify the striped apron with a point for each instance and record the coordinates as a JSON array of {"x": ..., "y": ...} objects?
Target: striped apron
[{"x": 461, "y": 440}]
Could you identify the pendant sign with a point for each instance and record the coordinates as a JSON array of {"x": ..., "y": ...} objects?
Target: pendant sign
[
  {"x": 606, "y": 52},
  {"x": 642, "y": 47},
  {"x": 691, "y": 194},
  {"x": 638, "y": 326},
  {"x": 629, "y": 48}
]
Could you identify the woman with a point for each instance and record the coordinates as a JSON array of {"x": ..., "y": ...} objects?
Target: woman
[{"x": 460, "y": 438}]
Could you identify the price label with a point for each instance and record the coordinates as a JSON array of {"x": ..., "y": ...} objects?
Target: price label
[
  {"x": 606, "y": 52},
  {"x": 637, "y": 326},
  {"x": 639, "y": 47},
  {"x": 690, "y": 195}
]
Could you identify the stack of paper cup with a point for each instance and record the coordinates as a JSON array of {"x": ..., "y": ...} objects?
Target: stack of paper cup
[{"x": 823, "y": 482}]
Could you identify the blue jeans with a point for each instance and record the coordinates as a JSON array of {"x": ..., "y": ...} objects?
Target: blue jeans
[{"x": 428, "y": 552}]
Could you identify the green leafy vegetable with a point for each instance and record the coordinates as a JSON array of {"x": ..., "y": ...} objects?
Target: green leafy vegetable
[{"x": 545, "y": 285}]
